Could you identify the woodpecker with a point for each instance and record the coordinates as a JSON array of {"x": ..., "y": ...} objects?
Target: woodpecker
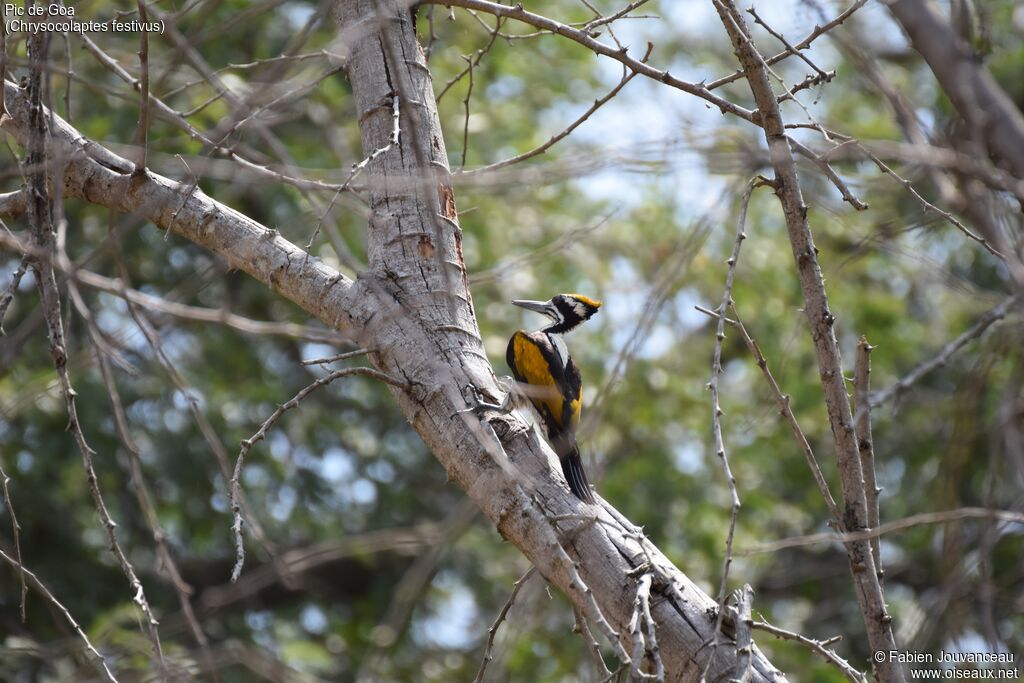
[{"x": 548, "y": 377}]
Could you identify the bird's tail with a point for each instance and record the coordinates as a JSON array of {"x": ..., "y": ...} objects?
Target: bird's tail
[{"x": 572, "y": 468}]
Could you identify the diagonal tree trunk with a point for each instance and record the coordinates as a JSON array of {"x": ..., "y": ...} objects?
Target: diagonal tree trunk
[{"x": 430, "y": 333}]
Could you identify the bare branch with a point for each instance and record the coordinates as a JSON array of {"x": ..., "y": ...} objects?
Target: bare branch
[
  {"x": 598, "y": 103},
  {"x": 99, "y": 176},
  {"x": 217, "y": 316},
  {"x": 583, "y": 629},
  {"x": 584, "y": 38},
  {"x": 35, "y": 169},
  {"x": 816, "y": 307},
  {"x": 716, "y": 414},
  {"x": 489, "y": 647},
  {"x": 921, "y": 519},
  {"x": 465, "y": 105},
  {"x": 40, "y": 587},
  {"x": 138, "y": 484},
  {"x": 235, "y": 487},
  {"x": 785, "y": 409},
  {"x": 821, "y": 75},
  {"x": 989, "y": 318},
  {"x": 642, "y": 629},
  {"x": 142, "y": 132},
  {"x": 8, "y": 294},
  {"x": 15, "y": 532},
  {"x": 802, "y": 45},
  {"x": 335, "y": 358},
  {"x": 816, "y": 646},
  {"x": 829, "y": 172},
  {"x": 862, "y": 425}
]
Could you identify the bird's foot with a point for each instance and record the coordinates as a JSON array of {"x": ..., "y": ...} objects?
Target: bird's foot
[{"x": 478, "y": 402}]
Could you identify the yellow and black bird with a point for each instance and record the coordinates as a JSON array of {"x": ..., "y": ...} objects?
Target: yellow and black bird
[{"x": 548, "y": 377}]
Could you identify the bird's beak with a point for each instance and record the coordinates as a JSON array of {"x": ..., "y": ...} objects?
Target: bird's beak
[{"x": 535, "y": 306}]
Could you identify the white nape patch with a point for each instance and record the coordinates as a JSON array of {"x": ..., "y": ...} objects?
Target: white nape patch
[{"x": 561, "y": 350}]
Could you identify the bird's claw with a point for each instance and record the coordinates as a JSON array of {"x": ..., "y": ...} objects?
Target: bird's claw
[{"x": 479, "y": 403}]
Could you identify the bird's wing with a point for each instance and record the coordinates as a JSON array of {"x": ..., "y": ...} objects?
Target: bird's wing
[{"x": 553, "y": 390}]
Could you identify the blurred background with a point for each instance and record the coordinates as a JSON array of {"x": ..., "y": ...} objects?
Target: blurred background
[{"x": 369, "y": 564}]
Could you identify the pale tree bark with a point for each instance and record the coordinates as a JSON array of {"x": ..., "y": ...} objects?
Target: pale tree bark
[{"x": 413, "y": 308}]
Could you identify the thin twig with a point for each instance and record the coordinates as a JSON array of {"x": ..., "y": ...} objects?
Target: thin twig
[
  {"x": 184, "y": 388},
  {"x": 8, "y": 295},
  {"x": 598, "y": 103},
  {"x": 43, "y": 240},
  {"x": 358, "y": 168},
  {"x": 15, "y": 529},
  {"x": 465, "y": 106},
  {"x": 218, "y": 316},
  {"x": 920, "y": 519},
  {"x": 792, "y": 50},
  {"x": 176, "y": 117},
  {"x": 716, "y": 414},
  {"x": 142, "y": 133},
  {"x": 583, "y": 629},
  {"x": 585, "y": 39},
  {"x": 235, "y": 486},
  {"x": 945, "y": 353},
  {"x": 829, "y": 172},
  {"x": 786, "y": 410},
  {"x": 802, "y": 45},
  {"x": 475, "y": 59},
  {"x": 489, "y": 647},
  {"x": 335, "y": 358},
  {"x": 45, "y": 592},
  {"x": 138, "y": 483},
  {"x": 608, "y": 19},
  {"x": 589, "y": 603},
  {"x": 927, "y": 205},
  {"x": 818, "y": 646}
]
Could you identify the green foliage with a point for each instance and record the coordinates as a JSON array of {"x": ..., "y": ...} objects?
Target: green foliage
[{"x": 638, "y": 208}]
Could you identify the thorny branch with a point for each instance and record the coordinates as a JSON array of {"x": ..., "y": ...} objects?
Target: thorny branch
[
  {"x": 716, "y": 408},
  {"x": 818, "y": 646},
  {"x": 40, "y": 587},
  {"x": 583, "y": 629},
  {"x": 493, "y": 630},
  {"x": 36, "y": 165},
  {"x": 818, "y": 31},
  {"x": 642, "y": 630},
  {"x": 865, "y": 444},
  {"x": 598, "y": 103},
  {"x": 821, "y": 320},
  {"x": 620, "y": 55},
  {"x": 235, "y": 485},
  {"x": 16, "y": 534},
  {"x": 786, "y": 410}
]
